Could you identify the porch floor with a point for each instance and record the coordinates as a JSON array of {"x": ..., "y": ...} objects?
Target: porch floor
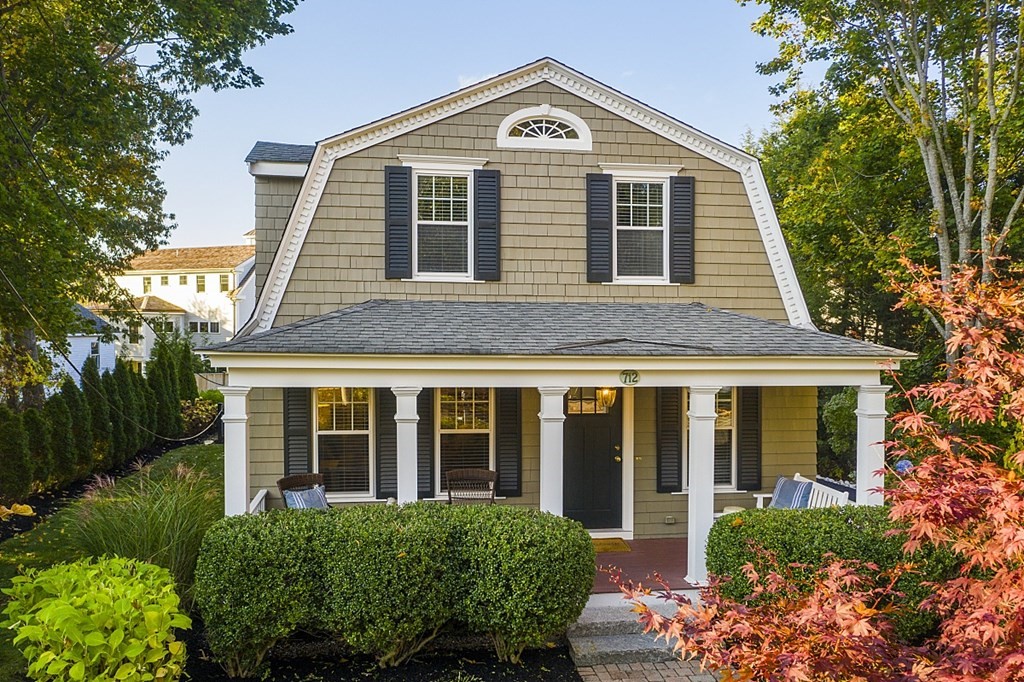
[{"x": 666, "y": 556}]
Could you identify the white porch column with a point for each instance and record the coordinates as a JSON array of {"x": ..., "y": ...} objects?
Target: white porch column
[
  {"x": 407, "y": 418},
  {"x": 871, "y": 415},
  {"x": 236, "y": 450},
  {"x": 700, "y": 480},
  {"x": 552, "y": 418}
]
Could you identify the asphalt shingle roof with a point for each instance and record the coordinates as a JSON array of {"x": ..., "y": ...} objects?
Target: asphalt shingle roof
[
  {"x": 281, "y": 152},
  {"x": 386, "y": 327}
]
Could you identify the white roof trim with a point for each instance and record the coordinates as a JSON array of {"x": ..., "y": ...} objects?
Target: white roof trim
[
  {"x": 480, "y": 93},
  {"x": 277, "y": 169}
]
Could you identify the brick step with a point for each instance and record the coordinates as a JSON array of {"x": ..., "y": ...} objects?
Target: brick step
[{"x": 610, "y": 649}]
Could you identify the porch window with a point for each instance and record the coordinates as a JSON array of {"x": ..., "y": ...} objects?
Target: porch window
[
  {"x": 343, "y": 450},
  {"x": 442, "y": 238},
  {"x": 725, "y": 438},
  {"x": 640, "y": 235},
  {"x": 463, "y": 430}
]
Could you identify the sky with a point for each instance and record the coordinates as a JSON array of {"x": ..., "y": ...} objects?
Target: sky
[{"x": 347, "y": 63}]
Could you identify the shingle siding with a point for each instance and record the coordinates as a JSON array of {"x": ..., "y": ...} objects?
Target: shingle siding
[{"x": 274, "y": 200}]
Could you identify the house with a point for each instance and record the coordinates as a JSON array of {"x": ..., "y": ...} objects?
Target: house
[
  {"x": 90, "y": 342},
  {"x": 543, "y": 276},
  {"x": 188, "y": 290}
]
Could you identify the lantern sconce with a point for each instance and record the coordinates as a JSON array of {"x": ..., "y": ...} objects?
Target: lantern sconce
[{"x": 606, "y": 397}]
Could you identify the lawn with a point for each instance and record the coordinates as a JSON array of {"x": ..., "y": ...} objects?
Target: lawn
[{"x": 47, "y": 543}]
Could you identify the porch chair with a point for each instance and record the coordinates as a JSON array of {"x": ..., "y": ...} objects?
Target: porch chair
[
  {"x": 303, "y": 491},
  {"x": 467, "y": 486}
]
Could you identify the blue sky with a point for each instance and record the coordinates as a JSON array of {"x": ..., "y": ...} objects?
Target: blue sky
[{"x": 349, "y": 63}]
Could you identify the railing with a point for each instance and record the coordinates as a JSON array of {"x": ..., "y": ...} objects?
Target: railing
[{"x": 259, "y": 502}]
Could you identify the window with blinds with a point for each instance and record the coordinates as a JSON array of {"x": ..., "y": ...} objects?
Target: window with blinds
[
  {"x": 343, "y": 439},
  {"x": 464, "y": 430},
  {"x": 725, "y": 437},
  {"x": 640, "y": 234},
  {"x": 442, "y": 225}
]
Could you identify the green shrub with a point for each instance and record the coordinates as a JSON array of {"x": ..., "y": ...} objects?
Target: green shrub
[
  {"x": 81, "y": 428},
  {"x": 392, "y": 577},
  {"x": 807, "y": 535},
  {"x": 213, "y": 395},
  {"x": 197, "y": 414},
  {"x": 117, "y": 445},
  {"x": 161, "y": 520},
  {"x": 15, "y": 457},
  {"x": 62, "y": 442},
  {"x": 255, "y": 579},
  {"x": 529, "y": 575},
  {"x": 40, "y": 443},
  {"x": 93, "y": 392},
  {"x": 112, "y": 619}
]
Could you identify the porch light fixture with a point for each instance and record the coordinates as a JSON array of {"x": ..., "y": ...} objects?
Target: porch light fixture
[{"x": 606, "y": 397}]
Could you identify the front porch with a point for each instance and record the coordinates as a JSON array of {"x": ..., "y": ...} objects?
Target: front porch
[{"x": 665, "y": 556}]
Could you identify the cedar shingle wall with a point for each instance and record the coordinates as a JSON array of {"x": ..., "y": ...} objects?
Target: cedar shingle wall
[{"x": 274, "y": 199}]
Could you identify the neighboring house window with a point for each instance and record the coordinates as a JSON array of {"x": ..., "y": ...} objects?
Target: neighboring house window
[
  {"x": 134, "y": 334},
  {"x": 147, "y": 285},
  {"x": 725, "y": 438},
  {"x": 442, "y": 229},
  {"x": 544, "y": 127},
  {"x": 464, "y": 430},
  {"x": 193, "y": 327},
  {"x": 183, "y": 280},
  {"x": 343, "y": 439},
  {"x": 200, "y": 283},
  {"x": 163, "y": 326},
  {"x": 215, "y": 327},
  {"x": 94, "y": 348},
  {"x": 224, "y": 281},
  {"x": 640, "y": 236},
  {"x": 164, "y": 280}
]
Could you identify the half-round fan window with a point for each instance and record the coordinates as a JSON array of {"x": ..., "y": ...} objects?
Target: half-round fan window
[{"x": 544, "y": 127}]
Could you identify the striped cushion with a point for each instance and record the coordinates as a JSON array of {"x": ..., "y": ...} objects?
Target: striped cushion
[
  {"x": 311, "y": 498},
  {"x": 790, "y": 494}
]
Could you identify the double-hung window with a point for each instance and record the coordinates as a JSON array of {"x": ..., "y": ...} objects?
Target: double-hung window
[
  {"x": 725, "y": 438},
  {"x": 343, "y": 439},
  {"x": 443, "y": 232},
  {"x": 641, "y": 240},
  {"x": 225, "y": 282},
  {"x": 147, "y": 285},
  {"x": 200, "y": 283},
  {"x": 463, "y": 430}
]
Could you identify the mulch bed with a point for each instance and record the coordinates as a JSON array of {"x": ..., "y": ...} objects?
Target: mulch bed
[{"x": 304, "y": 658}]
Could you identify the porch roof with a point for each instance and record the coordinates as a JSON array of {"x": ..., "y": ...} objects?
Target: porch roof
[{"x": 464, "y": 328}]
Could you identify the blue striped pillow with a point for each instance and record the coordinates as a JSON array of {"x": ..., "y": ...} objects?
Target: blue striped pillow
[
  {"x": 311, "y": 498},
  {"x": 790, "y": 494}
]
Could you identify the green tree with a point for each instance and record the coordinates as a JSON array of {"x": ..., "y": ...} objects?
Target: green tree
[
  {"x": 93, "y": 93},
  {"x": 99, "y": 411},
  {"x": 15, "y": 458},
  {"x": 187, "y": 367},
  {"x": 131, "y": 404},
  {"x": 147, "y": 408},
  {"x": 40, "y": 443},
  {"x": 81, "y": 428},
  {"x": 119, "y": 446},
  {"x": 62, "y": 439}
]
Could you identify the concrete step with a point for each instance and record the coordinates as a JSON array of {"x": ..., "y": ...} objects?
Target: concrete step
[
  {"x": 605, "y": 620},
  {"x": 609, "y": 649}
]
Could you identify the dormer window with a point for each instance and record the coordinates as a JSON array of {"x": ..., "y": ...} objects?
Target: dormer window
[{"x": 544, "y": 127}]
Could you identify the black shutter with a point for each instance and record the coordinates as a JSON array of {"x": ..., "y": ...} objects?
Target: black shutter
[
  {"x": 599, "y": 227},
  {"x": 670, "y": 439},
  {"x": 387, "y": 444},
  {"x": 680, "y": 229},
  {"x": 298, "y": 431},
  {"x": 487, "y": 224},
  {"x": 397, "y": 222},
  {"x": 748, "y": 443},
  {"x": 425, "y": 444},
  {"x": 508, "y": 450}
]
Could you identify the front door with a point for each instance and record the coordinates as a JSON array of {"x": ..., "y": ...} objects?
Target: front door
[{"x": 593, "y": 457}]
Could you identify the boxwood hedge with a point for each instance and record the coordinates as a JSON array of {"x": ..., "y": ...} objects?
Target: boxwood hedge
[{"x": 806, "y": 535}]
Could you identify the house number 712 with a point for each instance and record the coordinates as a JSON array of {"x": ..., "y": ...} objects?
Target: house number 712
[{"x": 629, "y": 377}]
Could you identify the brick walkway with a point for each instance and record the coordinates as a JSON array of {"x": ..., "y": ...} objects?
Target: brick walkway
[{"x": 671, "y": 671}]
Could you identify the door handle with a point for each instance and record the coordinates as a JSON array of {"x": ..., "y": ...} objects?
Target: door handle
[{"x": 618, "y": 458}]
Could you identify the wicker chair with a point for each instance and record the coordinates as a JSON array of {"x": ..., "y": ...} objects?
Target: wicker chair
[
  {"x": 299, "y": 482},
  {"x": 468, "y": 486}
]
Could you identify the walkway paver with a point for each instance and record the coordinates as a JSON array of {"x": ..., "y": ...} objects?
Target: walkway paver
[{"x": 665, "y": 671}]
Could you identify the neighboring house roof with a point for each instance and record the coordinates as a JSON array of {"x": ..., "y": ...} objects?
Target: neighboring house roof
[
  {"x": 155, "y": 304},
  {"x": 97, "y": 323},
  {"x": 194, "y": 258},
  {"x": 544, "y": 70},
  {"x": 280, "y": 152},
  {"x": 385, "y": 327}
]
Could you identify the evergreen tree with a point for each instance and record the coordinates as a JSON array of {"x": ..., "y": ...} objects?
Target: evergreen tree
[
  {"x": 186, "y": 365},
  {"x": 15, "y": 459},
  {"x": 118, "y": 443},
  {"x": 99, "y": 412},
  {"x": 38, "y": 430},
  {"x": 81, "y": 428},
  {"x": 132, "y": 406},
  {"x": 150, "y": 401},
  {"x": 62, "y": 439}
]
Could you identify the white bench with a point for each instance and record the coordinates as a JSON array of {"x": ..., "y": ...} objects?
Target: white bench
[{"x": 821, "y": 495}]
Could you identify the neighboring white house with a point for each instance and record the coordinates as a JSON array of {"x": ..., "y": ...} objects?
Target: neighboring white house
[
  {"x": 82, "y": 346},
  {"x": 189, "y": 290}
]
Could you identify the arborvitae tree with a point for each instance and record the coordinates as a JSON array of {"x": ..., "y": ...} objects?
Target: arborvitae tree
[
  {"x": 150, "y": 401},
  {"x": 62, "y": 439},
  {"x": 81, "y": 427},
  {"x": 40, "y": 444},
  {"x": 99, "y": 412},
  {"x": 168, "y": 406},
  {"x": 15, "y": 459},
  {"x": 131, "y": 403},
  {"x": 186, "y": 365},
  {"x": 118, "y": 442}
]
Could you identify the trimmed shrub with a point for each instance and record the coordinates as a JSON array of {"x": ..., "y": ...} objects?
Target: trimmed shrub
[
  {"x": 40, "y": 444},
  {"x": 161, "y": 520},
  {"x": 118, "y": 448},
  {"x": 255, "y": 581},
  {"x": 806, "y": 536},
  {"x": 530, "y": 575},
  {"x": 112, "y": 619},
  {"x": 99, "y": 411},
  {"x": 391, "y": 582},
  {"x": 15, "y": 457},
  {"x": 81, "y": 428},
  {"x": 213, "y": 395},
  {"x": 62, "y": 439}
]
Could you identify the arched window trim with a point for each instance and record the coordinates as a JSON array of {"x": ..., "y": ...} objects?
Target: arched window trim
[{"x": 583, "y": 143}]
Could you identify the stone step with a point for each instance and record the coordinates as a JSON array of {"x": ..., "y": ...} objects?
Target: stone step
[
  {"x": 609, "y": 649},
  {"x": 605, "y": 620}
]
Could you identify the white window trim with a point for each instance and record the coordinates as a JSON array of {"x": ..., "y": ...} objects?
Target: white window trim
[
  {"x": 456, "y": 167},
  {"x": 726, "y": 488},
  {"x": 641, "y": 170},
  {"x": 437, "y": 437},
  {"x": 584, "y": 143},
  {"x": 650, "y": 179},
  {"x": 370, "y": 433}
]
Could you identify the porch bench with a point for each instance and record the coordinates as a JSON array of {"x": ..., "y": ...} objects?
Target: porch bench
[{"x": 820, "y": 496}]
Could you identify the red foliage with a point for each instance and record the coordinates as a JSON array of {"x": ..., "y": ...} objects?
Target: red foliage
[{"x": 955, "y": 496}]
